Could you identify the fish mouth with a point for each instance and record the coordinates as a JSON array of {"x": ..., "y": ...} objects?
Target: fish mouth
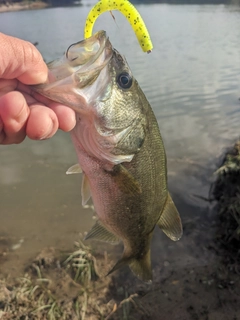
[{"x": 77, "y": 69}]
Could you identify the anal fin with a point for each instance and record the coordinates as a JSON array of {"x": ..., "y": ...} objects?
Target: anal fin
[
  {"x": 99, "y": 232},
  {"x": 86, "y": 191},
  {"x": 170, "y": 221}
]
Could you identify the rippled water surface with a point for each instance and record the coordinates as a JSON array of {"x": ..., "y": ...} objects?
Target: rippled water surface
[{"x": 192, "y": 80}]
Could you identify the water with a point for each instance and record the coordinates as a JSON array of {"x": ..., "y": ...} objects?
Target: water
[{"x": 192, "y": 80}]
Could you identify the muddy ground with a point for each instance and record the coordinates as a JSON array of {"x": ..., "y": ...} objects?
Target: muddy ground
[
  {"x": 197, "y": 278},
  {"x": 191, "y": 281}
]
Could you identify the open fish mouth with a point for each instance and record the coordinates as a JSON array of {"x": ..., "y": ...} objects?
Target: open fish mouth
[{"x": 78, "y": 68}]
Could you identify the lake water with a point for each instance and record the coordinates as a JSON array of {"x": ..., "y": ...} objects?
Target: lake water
[{"x": 192, "y": 80}]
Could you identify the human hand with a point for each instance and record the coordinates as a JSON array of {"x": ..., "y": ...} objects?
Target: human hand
[{"x": 23, "y": 113}]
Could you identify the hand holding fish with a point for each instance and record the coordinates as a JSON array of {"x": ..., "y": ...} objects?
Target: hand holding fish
[{"x": 23, "y": 113}]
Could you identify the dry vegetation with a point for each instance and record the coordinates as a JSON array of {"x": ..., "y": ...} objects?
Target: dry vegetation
[
  {"x": 226, "y": 191},
  {"x": 74, "y": 287},
  {"x": 53, "y": 290}
]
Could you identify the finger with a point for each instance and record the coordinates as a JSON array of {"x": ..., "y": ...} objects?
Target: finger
[
  {"x": 66, "y": 116},
  {"x": 14, "y": 113},
  {"x": 2, "y": 133},
  {"x": 7, "y": 86},
  {"x": 42, "y": 123},
  {"x": 21, "y": 59}
]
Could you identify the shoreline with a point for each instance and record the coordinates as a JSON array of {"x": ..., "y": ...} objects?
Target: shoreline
[{"x": 20, "y": 6}]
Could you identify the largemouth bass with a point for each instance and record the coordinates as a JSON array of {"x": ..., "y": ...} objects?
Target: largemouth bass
[{"x": 119, "y": 148}]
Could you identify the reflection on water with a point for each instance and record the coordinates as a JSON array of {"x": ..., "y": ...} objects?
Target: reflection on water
[
  {"x": 39, "y": 203},
  {"x": 192, "y": 80}
]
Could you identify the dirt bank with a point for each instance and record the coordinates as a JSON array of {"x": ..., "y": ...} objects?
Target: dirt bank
[
  {"x": 22, "y": 6},
  {"x": 193, "y": 280},
  {"x": 196, "y": 278}
]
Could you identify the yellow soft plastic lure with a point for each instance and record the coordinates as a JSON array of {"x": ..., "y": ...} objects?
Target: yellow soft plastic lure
[{"x": 129, "y": 11}]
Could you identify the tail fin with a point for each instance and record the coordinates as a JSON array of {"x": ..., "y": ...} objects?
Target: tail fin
[{"x": 141, "y": 267}]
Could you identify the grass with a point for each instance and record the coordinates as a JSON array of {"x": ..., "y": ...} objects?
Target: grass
[
  {"x": 82, "y": 264},
  {"x": 30, "y": 299},
  {"x": 49, "y": 291}
]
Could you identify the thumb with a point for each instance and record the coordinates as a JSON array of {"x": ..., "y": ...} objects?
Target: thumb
[{"x": 21, "y": 60}]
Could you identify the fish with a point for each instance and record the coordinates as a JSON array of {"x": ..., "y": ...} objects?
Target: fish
[{"x": 119, "y": 147}]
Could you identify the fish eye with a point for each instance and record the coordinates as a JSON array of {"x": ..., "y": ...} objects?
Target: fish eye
[{"x": 124, "y": 80}]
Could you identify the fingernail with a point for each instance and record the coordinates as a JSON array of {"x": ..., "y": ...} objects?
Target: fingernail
[
  {"x": 49, "y": 132},
  {"x": 39, "y": 77},
  {"x": 33, "y": 78}
]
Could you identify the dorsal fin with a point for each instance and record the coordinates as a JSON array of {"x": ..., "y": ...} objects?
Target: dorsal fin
[{"x": 170, "y": 221}]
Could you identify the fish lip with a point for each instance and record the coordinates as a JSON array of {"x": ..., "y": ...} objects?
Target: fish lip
[
  {"x": 89, "y": 43},
  {"x": 81, "y": 57},
  {"x": 82, "y": 61},
  {"x": 93, "y": 46}
]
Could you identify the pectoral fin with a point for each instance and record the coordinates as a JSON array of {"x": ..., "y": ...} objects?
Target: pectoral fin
[
  {"x": 99, "y": 232},
  {"x": 125, "y": 180},
  {"x": 170, "y": 221},
  {"x": 74, "y": 169},
  {"x": 86, "y": 192}
]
